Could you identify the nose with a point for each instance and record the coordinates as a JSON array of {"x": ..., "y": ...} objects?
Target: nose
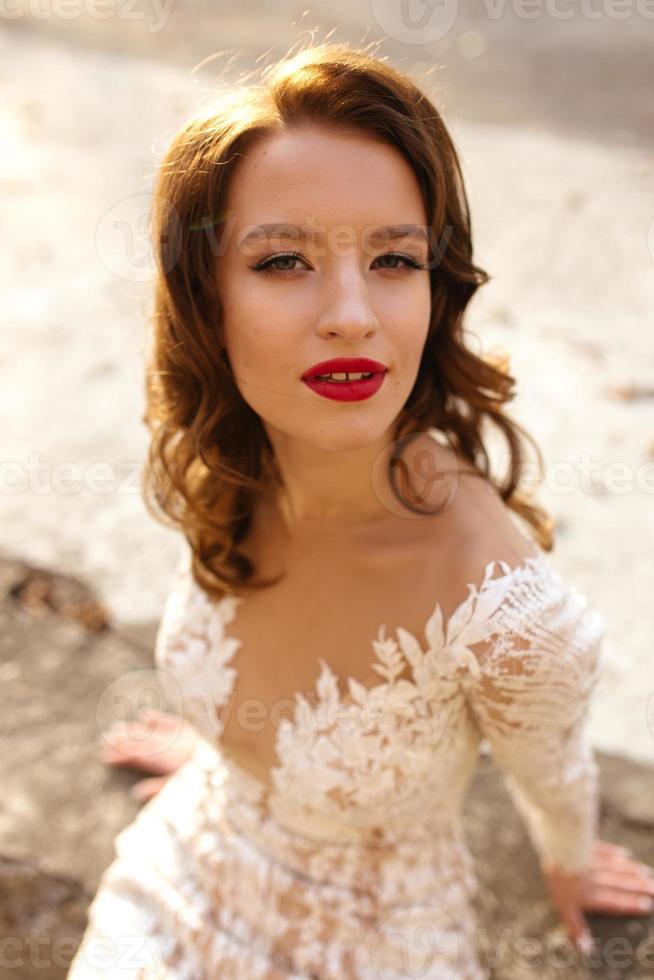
[{"x": 347, "y": 311}]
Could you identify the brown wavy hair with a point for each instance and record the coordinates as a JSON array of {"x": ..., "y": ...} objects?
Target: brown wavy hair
[{"x": 209, "y": 454}]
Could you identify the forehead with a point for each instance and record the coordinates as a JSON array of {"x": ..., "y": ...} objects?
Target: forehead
[{"x": 336, "y": 177}]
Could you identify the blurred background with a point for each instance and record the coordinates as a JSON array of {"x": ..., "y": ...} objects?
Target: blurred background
[{"x": 550, "y": 105}]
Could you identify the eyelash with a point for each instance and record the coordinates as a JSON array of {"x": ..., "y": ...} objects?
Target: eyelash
[{"x": 266, "y": 264}]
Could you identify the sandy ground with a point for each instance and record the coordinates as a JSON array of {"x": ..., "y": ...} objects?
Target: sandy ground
[{"x": 563, "y": 224}]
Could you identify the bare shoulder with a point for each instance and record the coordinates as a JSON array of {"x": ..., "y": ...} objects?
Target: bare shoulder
[
  {"x": 489, "y": 529},
  {"x": 483, "y": 527}
]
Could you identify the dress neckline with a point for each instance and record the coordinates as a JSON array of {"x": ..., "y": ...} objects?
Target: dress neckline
[{"x": 440, "y": 633}]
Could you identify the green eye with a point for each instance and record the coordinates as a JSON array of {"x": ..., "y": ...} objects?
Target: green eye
[
  {"x": 408, "y": 260},
  {"x": 268, "y": 265}
]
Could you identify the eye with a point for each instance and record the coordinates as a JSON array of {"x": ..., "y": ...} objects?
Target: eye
[
  {"x": 269, "y": 264},
  {"x": 409, "y": 261}
]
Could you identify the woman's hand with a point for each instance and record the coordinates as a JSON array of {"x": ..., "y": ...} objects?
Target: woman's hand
[
  {"x": 614, "y": 885},
  {"x": 157, "y": 743}
]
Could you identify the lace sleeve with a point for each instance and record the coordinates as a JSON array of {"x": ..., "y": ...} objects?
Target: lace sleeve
[
  {"x": 192, "y": 653},
  {"x": 529, "y": 697}
]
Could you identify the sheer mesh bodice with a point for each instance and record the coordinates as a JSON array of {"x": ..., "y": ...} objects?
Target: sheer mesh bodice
[{"x": 332, "y": 866}]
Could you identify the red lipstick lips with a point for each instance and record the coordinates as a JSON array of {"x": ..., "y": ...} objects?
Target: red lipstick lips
[
  {"x": 346, "y": 390},
  {"x": 338, "y": 365}
]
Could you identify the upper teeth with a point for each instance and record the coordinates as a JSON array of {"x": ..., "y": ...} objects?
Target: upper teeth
[{"x": 346, "y": 376}]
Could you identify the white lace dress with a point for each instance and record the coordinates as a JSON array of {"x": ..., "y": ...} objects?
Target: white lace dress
[{"x": 353, "y": 864}]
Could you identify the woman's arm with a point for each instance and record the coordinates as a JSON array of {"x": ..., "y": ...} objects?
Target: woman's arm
[
  {"x": 530, "y": 701},
  {"x": 537, "y": 667},
  {"x": 158, "y": 742}
]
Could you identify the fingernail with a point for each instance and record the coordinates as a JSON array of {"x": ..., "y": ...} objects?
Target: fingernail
[{"x": 585, "y": 943}]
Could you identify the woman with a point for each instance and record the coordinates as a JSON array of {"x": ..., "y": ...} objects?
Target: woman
[{"x": 316, "y": 424}]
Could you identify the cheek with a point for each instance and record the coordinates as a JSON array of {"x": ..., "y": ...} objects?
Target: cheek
[
  {"x": 258, "y": 346},
  {"x": 407, "y": 322},
  {"x": 264, "y": 329},
  {"x": 244, "y": 329},
  {"x": 410, "y": 299}
]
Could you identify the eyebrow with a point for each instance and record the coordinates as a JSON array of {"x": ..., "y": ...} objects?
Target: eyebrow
[{"x": 384, "y": 233}]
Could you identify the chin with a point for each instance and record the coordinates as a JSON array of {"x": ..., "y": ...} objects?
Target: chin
[{"x": 345, "y": 434}]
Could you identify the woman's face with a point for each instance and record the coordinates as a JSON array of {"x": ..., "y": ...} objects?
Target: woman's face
[{"x": 351, "y": 290}]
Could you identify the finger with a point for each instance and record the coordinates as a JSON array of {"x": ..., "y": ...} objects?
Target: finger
[
  {"x": 130, "y": 749},
  {"x": 133, "y": 731},
  {"x": 619, "y": 860},
  {"x": 138, "y": 729},
  {"x": 622, "y": 865},
  {"x": 572, "y": 918},
  {"x": 145, "y": 789},
  {"x": 607, "y": 847},
  {"x": 574, "y": 923},
  {"x": 127, "y": 743},
  {"x": 615, "y": 901},
  {"x": 160, "y": 718},
  {"x": 157, "y": 764},
  {"x": 632, "y": 881},
  {"x": 149, "y": 718},
  {"x": 627, "y": 866},
  {"x": 142, "y": 736},
  {"x": 114, "y": 756}
]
